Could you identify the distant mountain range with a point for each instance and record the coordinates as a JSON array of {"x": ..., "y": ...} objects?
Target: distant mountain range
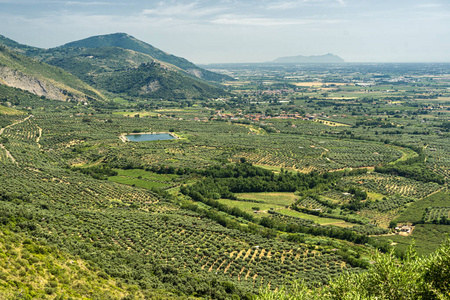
[
  {"x": 115, "y": 63},
  {"x": 316, "y": 59}
]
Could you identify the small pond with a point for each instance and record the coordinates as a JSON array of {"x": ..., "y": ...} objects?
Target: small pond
[{"x": 144, "y": 137}]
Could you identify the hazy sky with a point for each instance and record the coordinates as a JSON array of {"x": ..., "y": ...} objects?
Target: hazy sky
[{"x": 213, "y": 31}]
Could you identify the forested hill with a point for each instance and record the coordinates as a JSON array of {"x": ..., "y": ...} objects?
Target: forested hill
[
  {"x": 151, "y": 80},
  {"x": 123, "y": 72},
  {"x": 125, "y": 41},
  {"x": 131, "y": 74}
]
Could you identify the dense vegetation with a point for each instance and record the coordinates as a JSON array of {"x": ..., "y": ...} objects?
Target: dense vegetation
[
  {"x": 387, "y": 278},
  {"x": 280, "y": 180},
  {"x": 125, "y": 41},
  {"x": 130, "y": 74},
  {"x": 152, "y": 81}
]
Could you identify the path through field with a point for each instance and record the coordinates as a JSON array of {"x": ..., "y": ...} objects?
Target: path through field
[{"x": 8, "y": 154}]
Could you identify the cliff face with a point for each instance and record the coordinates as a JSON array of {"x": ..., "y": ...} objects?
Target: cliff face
[{"x": 31, "y": 84}]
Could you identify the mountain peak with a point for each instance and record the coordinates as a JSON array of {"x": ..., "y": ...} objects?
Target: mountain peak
[{"x": 126, "y": 41}]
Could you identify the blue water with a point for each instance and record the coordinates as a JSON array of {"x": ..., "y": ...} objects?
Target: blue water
[{"x": 149, "y": 137}]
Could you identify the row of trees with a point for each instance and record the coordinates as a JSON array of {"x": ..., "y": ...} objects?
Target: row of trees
[
  {"x": 413, "y": 168},
  {"x": 248, "y": 178}
]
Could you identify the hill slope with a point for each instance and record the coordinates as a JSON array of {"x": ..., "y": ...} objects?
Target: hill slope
[
  {"x": 125, "y": 41},
  {"x": 109, "y": 62},
  {"x": 33, "y": 269},
  {"x": 22, "y": 72},
  {"x": 21, "y": 48},
  {"x": 130, "y": 73}
]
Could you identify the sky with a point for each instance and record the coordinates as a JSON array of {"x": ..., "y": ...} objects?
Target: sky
[{"x": 240, "y": 31}]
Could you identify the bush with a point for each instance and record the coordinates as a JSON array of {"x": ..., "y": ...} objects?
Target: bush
[{"x": 388, "y": 278}]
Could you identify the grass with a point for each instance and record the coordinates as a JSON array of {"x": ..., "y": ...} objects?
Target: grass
[
  {"x": 33, "y": 270},
  {"x": 320, "y": 220},
  {"x": 9, "y": 111},
  {"x": 249, "y": 206},
  {"x": 145, "y": 174},
  {"x": 279, "y": 199},
  {"x": 137, "y": 182},
  {"x": 263, "y": 202},
  {"x": 374, "y": 196},
  {"x": 270, "y": 168},
  {"x": 330, "y": 199},
  {"x": 406, "y": 154},
  {"x": 143, "y": 179},
  {"x": 121, "y": 101},
  {"x": 278, "y": 202}
]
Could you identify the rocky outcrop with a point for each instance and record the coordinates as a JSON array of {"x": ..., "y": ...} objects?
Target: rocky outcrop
[
  {"x": 196, "y": 72},
  {"x": 152, "y": 86},
  {"x": 31, "y": 84}
]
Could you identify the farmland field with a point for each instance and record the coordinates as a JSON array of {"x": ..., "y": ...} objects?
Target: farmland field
[
  {"x": 279, "y": 199},
  {"x": 292, "y": 174}
]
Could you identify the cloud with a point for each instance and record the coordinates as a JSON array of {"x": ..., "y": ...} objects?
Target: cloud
[
  {"x": 172, "y": 10},
  {"x": 282, "y": 5},
  {"x": 263, "y": 21},
  {"x": 428, "y": 5},
  {"x": 288, "y": 5},
  {"x": 81, "y": 3},
  {"x": 185, "y": 11}
]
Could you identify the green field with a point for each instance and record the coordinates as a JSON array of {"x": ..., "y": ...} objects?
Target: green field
[
  {"x": 406, "y": 154},
  {"x": 144, "y": 217},
  {"x": 374, "y": 196},
  {"x": 319, "y": 220},
  {"x": 137, "y": 182},
  {"x": 9, "y": 111},
  {"x": 278, "y": 202},
  {"x": 416, "y": 210},
  {"x": 263, "y": 202},
  {"x": 139, "y": 173},
  {"x": 250, "y": 207},
  {"x": 278, "y": 199},
  {"x": 143, "y": 179}
]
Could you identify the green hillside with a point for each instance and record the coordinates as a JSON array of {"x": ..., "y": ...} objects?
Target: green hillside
[
  {"x": 35, "y": 270},
  {"x": 152, "y": 81},
  {"x": 4, "y": 110},
  {"x": 130, "y": 73},
  {"x": 106, "y": 61},
  {"x": 13, "y": 45},
  {"x": 26, "y": 71},
  {"x": 86, "y": 63},
  {"x": 123, "y": 40}
]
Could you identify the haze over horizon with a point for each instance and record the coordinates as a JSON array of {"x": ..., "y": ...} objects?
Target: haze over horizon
[{"x": 237, "y": 31}]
